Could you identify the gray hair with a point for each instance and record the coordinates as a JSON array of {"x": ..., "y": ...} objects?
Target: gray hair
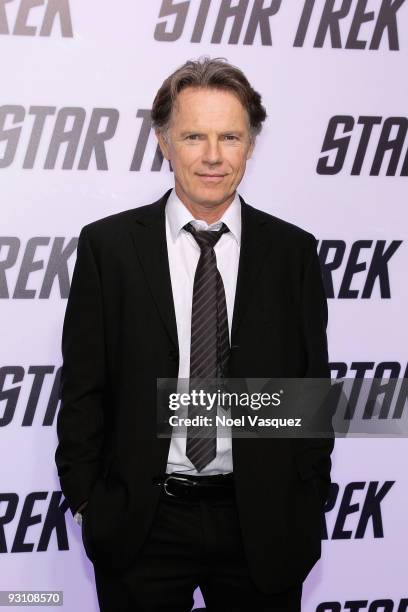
[{"x": 214, "y": 73}]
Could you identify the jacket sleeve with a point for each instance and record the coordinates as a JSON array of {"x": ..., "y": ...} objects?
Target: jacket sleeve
[
  {"x": 80, "y": 422},
  {"x": 314, "y": 319}
]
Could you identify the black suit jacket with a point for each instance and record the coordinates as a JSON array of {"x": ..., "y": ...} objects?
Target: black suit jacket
[{"x": 119, "y": 336}]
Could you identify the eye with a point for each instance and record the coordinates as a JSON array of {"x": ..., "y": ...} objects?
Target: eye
[
  {"x": 193, "y": 136},
  {"x": 231, "y": 137}
]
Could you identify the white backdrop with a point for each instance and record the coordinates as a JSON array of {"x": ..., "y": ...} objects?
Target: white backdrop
[{"x": 62, "y": 63}]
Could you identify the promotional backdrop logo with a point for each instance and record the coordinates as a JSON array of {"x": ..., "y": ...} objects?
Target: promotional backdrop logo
[
  {"x": 365, "y": 266},
  {"x": 352, "y": 25},
  {"x": 357, "y": 506},
  {"x": 335, "y": 27},
  {"x": 345, "y": 141},
  {"x": 16, "y": 522},
  {"x": 358, "y": 605},
  {"x": 24, "y": 19}
]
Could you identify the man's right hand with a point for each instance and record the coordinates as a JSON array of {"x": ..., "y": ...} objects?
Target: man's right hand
[{"x": 78, "y": 513}]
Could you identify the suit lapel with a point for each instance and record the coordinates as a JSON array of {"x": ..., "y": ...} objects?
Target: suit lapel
[
  {"x": 149, "y": 237},
  {"x": 255, "y": 243}
]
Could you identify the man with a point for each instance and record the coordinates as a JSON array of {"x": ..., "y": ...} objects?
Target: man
[{"x": 199, "y": 283}]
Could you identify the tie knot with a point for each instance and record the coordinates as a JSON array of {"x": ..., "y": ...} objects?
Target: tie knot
[{"x": 206, "y": 238}]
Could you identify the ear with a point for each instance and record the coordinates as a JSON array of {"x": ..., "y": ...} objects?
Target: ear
[
  {"x": 164, "y": 147},
  {"x": 251, "y": 149}
]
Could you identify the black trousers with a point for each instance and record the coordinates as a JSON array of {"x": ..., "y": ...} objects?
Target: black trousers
[{"x": 191, "y": 544}]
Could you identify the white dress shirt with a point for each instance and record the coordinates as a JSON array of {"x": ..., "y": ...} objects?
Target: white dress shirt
[{"x": 184, "y": 253}]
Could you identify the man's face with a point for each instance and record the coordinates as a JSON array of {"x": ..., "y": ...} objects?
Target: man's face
[{"x": 208, "y": 145}]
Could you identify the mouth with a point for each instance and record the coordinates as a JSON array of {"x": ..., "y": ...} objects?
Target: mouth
[{"x": 211, "y": 178}]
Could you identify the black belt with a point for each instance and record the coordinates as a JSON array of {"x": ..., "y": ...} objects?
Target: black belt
[{"x": 219, "y": 486}]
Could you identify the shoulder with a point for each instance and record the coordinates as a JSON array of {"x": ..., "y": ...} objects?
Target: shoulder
[
  {"x": 287, "y": 233},
  {"x": 119, "y": 220},
  {"x": 115, "y": 227}
]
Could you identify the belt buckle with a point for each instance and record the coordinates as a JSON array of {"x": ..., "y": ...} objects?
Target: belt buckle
[{"x": 176, "y": 478}]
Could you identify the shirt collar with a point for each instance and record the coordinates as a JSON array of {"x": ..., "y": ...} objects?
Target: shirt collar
[{"x": 178, "y": 215}]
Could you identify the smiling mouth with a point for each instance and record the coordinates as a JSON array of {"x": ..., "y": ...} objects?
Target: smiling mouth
[{"x": 211, "y": 179}]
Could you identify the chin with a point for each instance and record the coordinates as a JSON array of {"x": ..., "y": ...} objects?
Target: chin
[{"x": 215, "y": 198}]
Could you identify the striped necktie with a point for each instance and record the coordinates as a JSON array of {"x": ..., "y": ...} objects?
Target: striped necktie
[{"x": 209, "y": 338}]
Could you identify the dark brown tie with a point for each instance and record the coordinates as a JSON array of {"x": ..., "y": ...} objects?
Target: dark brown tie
[{"x": 209, "y": 339}]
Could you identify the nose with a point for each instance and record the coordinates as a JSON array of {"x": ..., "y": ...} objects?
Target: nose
[{"x": 212, "y": 152}]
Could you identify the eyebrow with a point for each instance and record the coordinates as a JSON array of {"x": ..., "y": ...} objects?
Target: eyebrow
[{"x": 237, "y": 132}]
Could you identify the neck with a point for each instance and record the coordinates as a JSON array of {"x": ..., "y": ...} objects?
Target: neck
[{"x": 209, "y": 212}]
